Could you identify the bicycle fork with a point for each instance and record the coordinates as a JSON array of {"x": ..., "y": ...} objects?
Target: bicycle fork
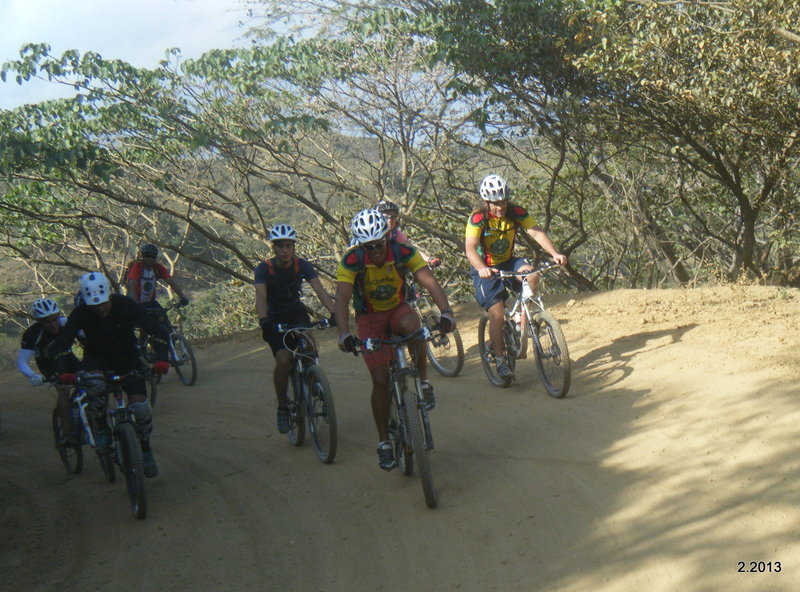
[{"x": 401, "y": 364}]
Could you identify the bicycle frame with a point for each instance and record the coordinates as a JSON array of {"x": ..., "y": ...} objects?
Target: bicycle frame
[
  {"x": 519, "y": 307},
  {"x": 400, "y": 367},
  {"x": 82, "y": 402},
  {"x": 413, "y": 439}
]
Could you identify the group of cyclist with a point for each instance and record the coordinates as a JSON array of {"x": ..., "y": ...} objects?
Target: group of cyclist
[
  {"x": 371, "y": 275},
  {"x": 105, "y": 323}
]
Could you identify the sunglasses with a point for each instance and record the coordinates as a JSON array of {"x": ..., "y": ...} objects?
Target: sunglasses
[
  {"x": 284, "y": 245},
  {"x": 375, "y": 245}
]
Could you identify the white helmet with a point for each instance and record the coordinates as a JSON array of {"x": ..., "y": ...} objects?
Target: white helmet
[
  {"x": 282, "y": 232},
  {"x": 43, "y": 308},
  {"x": 95, "y": 288},
  {"x": 368, "y": 225},
  {"x": 494, "y": 188}
]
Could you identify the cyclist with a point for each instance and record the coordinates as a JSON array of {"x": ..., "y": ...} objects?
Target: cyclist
[
  {"x": 278, "y": 284},
  {"x": 37, "y": 344},
  {"x": 489, "y": 246},
  {"x": 392, "y": 213},
  {"x": 108, "y": 322},
  {"x": 142, "y": 278},
  {"x": 373, "y": 273}
]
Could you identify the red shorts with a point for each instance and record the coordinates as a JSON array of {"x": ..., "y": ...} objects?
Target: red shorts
[{"x": 380, "y": 325}]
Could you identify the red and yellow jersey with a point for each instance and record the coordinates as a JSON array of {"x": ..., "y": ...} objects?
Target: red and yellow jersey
[
  {"x": 377, "y": 288},
  {"x": 497, "y": 235}
]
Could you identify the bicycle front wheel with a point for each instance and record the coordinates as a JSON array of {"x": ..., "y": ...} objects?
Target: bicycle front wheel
[
  {"x": 398, "y": 433},
  {"x": 71, "y": 454},
  {"x": 488, "y": 359},
  {"x": 321, "y": 414},
  {"x": 446, "y": 350},
  {"x": 415, "y": 434},
  {"x": 183, "y": 360},
  {"x": 131, "y": 464},
  {"x": 294, "y": 400},
  {"x": 552, "y": 354}
]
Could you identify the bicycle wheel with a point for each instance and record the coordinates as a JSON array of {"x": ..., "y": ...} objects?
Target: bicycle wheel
[
  {"x": 414, "y": 426},
  {"x": 445, "y": 350},
  {"x": 398, "y": 434},
  {"x": 131, "y": 464},
  {"x": 321, "y": 414},
  {"x": 552, "y": 354},
  {"x": 71, "y": 454},
  {"x": 182, "y": 358},
  {"x": 294, "y": 399},
  {"x": 487, "y": 354}
]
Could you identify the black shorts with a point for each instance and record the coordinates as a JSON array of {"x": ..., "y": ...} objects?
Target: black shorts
[{"x": 276, "y": 340}]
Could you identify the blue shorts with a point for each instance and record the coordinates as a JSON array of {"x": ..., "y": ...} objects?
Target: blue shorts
[{"x": 489, "y": 291}]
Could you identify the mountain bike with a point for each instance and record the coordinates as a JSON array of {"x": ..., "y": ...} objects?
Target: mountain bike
[
  {"x": 310, "y": 400},
  {"x": 181, "y": 354},
  {"x": 550, "y": 347},
  {"x": 409, "y": 424},
  {"x": 126, "y": 443},
  {"x": 87, "y": 409},
  {"x": 445, "y": 350},
  {"x": 98, "y": 400}
]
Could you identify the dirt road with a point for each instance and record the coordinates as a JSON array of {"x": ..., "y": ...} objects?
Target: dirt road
[{"x": 673, "y": 459}]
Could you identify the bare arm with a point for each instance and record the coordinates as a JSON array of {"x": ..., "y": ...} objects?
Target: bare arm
[
  {"x": 261, "y": 300},
  {"x": 471, "y": 249},
  {"x": 344, "y": 292},
  {"x": 539, "y": 235},
  {"x": 172, "y": 284},
  {"x": 323, "y": 296},
  {"x": 424, "y": 276}
]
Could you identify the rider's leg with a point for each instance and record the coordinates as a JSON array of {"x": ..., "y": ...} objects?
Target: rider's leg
[
  {"x": 380, "y": 400},
  {"x": 497, "y": 314},
  {"x": 280, "y": 375},
  {"x": 142, "y": 414},
  {"x": 62, "y": 405},
  {"x": 408, "y": 322}
]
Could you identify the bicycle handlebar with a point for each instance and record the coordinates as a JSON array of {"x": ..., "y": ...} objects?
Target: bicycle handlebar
[
  {"x": 372, "y": 344},
  {"x": 543, "y": 268},
  {"x": 287, "y": 328},
  {"x": 84, "y": 377},
  {"x": 175, "y": 304}
]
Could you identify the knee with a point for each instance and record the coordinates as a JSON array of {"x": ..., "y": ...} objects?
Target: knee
[
  {"x": 142, "y": 414},
  {"x": 380, "y": 379}
]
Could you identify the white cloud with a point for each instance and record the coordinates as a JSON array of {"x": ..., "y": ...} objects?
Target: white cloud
[{"x": 137, "y": 31}]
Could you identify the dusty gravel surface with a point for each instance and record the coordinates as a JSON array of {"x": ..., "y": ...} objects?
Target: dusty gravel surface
[{"x": 673, "y": 458}]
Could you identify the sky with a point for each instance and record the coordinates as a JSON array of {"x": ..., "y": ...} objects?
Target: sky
[{"x": 137, "y": 31}]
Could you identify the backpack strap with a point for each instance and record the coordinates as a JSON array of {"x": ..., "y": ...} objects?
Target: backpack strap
[
  {"x": 512, "y": 213},
  {"x": 271, "y": 268}
]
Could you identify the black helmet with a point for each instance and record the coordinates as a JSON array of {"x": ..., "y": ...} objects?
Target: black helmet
[{"x": 148, "y": 250}]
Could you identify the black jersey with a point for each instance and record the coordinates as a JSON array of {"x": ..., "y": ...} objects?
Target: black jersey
[{"x": 112, "y": 338}]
